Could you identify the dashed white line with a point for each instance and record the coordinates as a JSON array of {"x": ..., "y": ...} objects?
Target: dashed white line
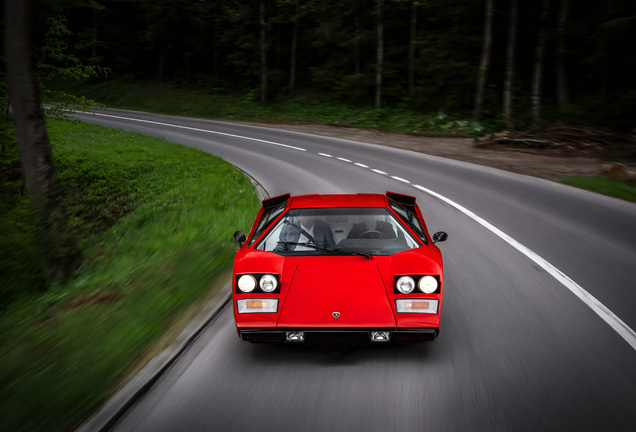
[
  {"x": 400, "y": 179},
  {"x": 599, "y": 308},
  {"x": 201, "y": 130},
  {"x": 361, "y": 165}
]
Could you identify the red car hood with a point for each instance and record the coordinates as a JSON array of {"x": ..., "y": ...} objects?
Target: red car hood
[{"x": 323, "y": 287}]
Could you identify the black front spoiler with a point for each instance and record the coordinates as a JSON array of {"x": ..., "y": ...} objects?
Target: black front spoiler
[{"x": 337, "y": 336}]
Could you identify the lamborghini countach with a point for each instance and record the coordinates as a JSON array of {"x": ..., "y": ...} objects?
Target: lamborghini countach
[{"x": 344, "y": 269}]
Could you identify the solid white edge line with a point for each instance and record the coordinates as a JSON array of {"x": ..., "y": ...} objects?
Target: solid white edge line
[
  {"x": 599, "y": 308},
  {"x": 199, "y": 130},
  {"x": 400, "y": 179}
]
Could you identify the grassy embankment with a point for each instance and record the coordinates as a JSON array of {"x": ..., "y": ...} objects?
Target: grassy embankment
[
  {"x": 154, "y": 221},
  {"x": 166, "y": 98},
  {"x": 602, "y": 185}
]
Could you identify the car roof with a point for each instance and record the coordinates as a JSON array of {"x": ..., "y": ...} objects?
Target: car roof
[{"x": 342, "y": 200}]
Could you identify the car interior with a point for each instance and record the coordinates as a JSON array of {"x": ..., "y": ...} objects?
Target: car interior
[{"x": 393, "y": 238}]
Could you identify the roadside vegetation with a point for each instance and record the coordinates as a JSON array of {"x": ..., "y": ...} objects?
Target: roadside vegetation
[
  {"x": 154, "y": 222},
  {"x": 169, "y": 98},
  {"x": 309, "y": 107},
  {"x": 602, "y": 185}
]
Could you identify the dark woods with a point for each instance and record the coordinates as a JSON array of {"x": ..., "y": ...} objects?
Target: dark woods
[
  {"x": 556, "y": 59},
  {"x": 516, "y": 63}
]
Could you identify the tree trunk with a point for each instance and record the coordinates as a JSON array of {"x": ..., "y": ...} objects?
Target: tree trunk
[
  {"x": 380, "y": 54},
  {"x": 160, "y": 65},
  {"x": 94, "y": 37},
  {"x": 537, "y": 73},
  {"x": 188, "y": 70},
  {"x": 263, "y": 47},
  {"x": 411, "y": 53},
  {"x": 562, "y": 83},
  {"x": 356, "y": 54},
  {"x": 59, "y": 251},
  {"x": 510, "y": 65},
  {"x": 215, "y": 60},
  {"x": 294, "y": 44},
  {"x": 485, "y": 62}
]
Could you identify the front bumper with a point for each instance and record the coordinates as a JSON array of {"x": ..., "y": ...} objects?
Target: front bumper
[{"x": 355, "y": 337}]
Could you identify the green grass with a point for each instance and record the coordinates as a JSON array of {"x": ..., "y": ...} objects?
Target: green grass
[
  {"x": 155, "y": 223},
  {"x": 605, "y": 186},
  {"x": 301, "y": 108}
]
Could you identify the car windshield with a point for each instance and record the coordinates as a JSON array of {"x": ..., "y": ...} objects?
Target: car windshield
[{"x": 338, "y": 231}]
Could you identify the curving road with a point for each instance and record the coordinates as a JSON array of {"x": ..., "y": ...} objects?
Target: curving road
[{"x": 540, "y": 305}]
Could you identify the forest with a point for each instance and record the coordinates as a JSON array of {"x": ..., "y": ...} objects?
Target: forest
[
  {"x": 109, "y": 239},
  {"x": 514, "y": 63}
]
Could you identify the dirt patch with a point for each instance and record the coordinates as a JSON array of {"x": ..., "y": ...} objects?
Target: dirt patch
[{"x": 543, "y": 163}]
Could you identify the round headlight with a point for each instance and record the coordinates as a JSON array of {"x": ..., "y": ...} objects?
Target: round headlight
[
  {"x": 405, "y": 284},
  {"x": 268, "y": 283},
  {"x": 247, "y": 283},
  {"x": 428, "y": 284}
]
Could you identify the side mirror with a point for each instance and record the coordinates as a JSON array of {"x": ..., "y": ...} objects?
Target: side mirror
[
  {"x": 439, "y": 236},
  {"x": 239, "y": 236}
]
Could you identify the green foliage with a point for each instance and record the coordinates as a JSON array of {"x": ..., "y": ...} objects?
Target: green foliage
[
  {"x": 155, "y": 222},
  {"x": 55, "y": 58},
  {"x": 57, "y": 61},
  {"x": 302, "y": 107},
  {"x": 217, "y": 42},
  {"x": 605, "y": 186}
]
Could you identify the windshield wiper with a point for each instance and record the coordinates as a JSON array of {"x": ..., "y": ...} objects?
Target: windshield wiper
[
  {"x": 331, "y": 250},
  {"x": 367, "y": 255},
  {"x": 311, "y": 245}
]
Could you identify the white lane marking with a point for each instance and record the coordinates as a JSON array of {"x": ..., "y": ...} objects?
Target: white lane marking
[
  {"x": 343, "y": 159},
  {"x": 325, "y": 154},
  {"x": 361, "y": 165},
  {"x": 400, "y": 179},
  {"x": 599, "y": 308},
  {"x": 201, "y": 130}
]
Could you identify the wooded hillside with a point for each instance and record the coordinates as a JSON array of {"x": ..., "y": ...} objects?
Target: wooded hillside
[{"x": 533, "y": 61}]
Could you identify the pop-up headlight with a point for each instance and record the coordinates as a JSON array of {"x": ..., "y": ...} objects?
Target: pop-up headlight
[
  {"x": 268, "y": 283},
  {"x": 405, "y": 284},
  {"x": 428, "y": 284},
  {"x": 247, "y": 283}
]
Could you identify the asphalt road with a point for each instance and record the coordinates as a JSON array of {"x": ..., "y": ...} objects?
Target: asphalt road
[{"x": 518, "y": 349}]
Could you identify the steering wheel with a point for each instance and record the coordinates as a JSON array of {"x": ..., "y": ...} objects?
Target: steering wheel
[{"x": 373, "y": 234}]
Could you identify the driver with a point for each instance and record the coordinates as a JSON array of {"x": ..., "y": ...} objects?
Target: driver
[
  {"x": 310, "y": 229},
  {"x": 370, "y": 223}
]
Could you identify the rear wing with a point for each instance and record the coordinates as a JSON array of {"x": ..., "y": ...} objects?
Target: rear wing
[
  {"x": 271, "y": 203},
  {"x": 407, "y": 201}
]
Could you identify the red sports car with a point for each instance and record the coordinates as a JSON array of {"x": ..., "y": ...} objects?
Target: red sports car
[{"x": 338, "y": 269}]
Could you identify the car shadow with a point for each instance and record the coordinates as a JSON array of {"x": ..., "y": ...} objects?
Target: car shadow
[{"x": 343, "y": 355}]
